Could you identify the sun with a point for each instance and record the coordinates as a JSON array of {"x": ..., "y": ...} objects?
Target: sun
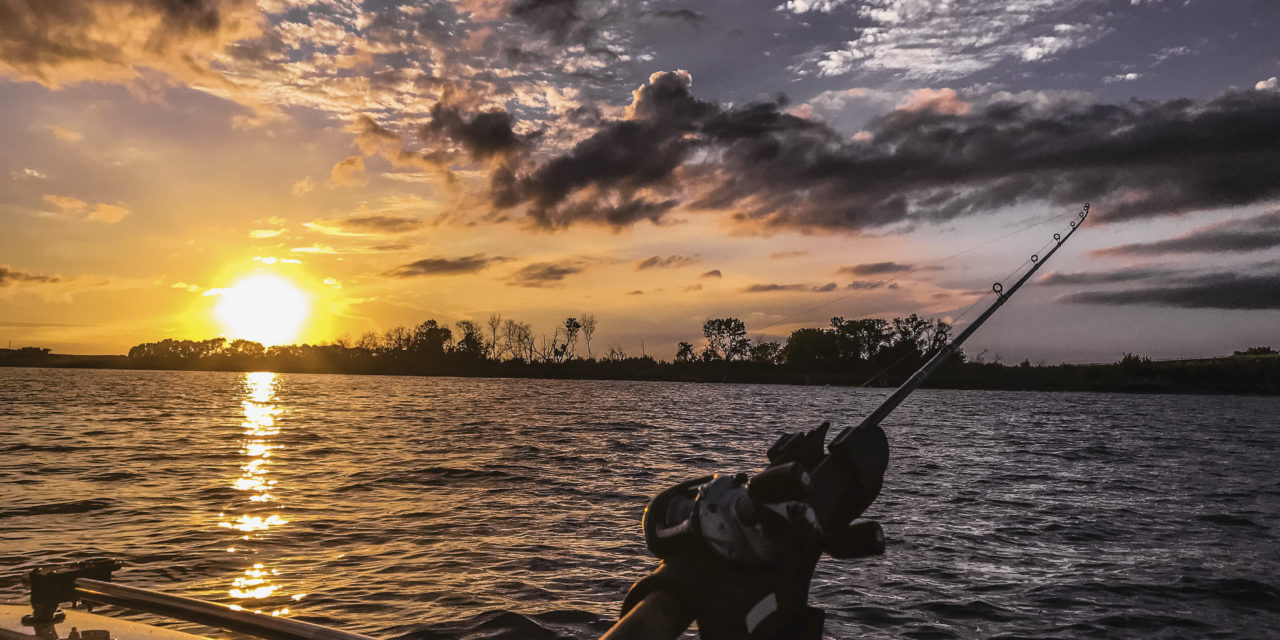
[{"x": 264, "y": 308}]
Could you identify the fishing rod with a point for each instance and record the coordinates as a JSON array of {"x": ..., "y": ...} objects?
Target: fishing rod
[{"x": 738, "y": 552}]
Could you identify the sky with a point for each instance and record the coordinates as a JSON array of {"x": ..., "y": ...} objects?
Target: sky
[{"x": 652, "y": 163}]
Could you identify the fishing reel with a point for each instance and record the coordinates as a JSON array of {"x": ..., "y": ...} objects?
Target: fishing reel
[{"x": 741, "y": 550}]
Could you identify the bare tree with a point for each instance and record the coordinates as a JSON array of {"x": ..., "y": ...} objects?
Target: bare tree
[
  {"x": 397, "y": 339},
  {"x": 495, "y": 322},
  {"x": 588, "y": 329},
  {"x": 368, "y": 342}
]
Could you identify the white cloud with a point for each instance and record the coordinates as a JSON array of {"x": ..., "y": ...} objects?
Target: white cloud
[
  {"x": 1271, "y": 83},
  {"x": 1122, "y": 77},
  {"x": 917, "y": 39}
]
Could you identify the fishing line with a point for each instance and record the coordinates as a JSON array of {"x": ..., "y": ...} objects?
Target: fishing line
[{"x": 883, "y": 283}]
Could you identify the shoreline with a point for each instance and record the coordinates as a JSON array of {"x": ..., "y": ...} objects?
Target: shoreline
[{"x": 1228, "y": 375}]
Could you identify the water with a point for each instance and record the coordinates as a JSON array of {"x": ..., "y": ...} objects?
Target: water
[{"x": 471, "y": 508}]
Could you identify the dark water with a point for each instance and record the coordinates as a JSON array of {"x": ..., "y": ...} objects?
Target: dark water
[{"x": 460, "y": 508}]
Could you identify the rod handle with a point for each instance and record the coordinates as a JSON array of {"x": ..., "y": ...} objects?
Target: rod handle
[{"x": 660, "y": 615}]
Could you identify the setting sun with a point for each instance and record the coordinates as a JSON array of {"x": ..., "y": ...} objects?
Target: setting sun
[{"x": 264, "y": 308}]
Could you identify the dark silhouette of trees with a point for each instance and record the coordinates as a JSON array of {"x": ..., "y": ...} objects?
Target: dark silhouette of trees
[
  {"x": 847, "y": 351},
  {"x": 684, "y": 353},
  {"x": 470, "y": 343},
  {"x": 726, "y": 339},
  {"x": 588, "y": 330}
]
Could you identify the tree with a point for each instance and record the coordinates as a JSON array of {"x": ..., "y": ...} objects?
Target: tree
[
  {"x": 470, "y": 343},
  {"x": 495, "y": 323},
  {"x": 811, "y": 348},
  {"x": 766, "y": 352},
  {"x": 397, "y": 339},
  {"x": 368, "y": 342},
  {"x": 684, "y": 353},
  {"x": 726, "y": 339},
  {"x": 571, "y": 329},
  {"x": 519, "y": 339},
  {"x": 588, "y": 330},
  {"x": 430, "y": 340}
]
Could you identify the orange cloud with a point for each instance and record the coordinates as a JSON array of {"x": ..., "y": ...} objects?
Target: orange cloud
[
  {"x": 943, "y": 101},
  {"x": 349, "y": 173}
]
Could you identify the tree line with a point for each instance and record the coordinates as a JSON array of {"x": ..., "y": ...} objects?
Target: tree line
[{"x": 503, "y": 344}]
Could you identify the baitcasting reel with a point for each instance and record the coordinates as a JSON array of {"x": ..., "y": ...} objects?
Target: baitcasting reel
[{"x": 741, "y": 550}]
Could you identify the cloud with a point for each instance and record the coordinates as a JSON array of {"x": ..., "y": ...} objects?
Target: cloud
[
  {"x": 483, "y": 135},
  {"x": 771, "y": 287},
  {"x": 365, "y": 225},
  {"x": 96, "y": 212},
  {"x": 1102, "y": 277},
  {"x": 73, "y": 40},
  {"x": 782, "y": 255},
  {"x": 1269, "y": 84},
  {"x": 770, "y": 170},
  {"x": 668, "y": 262},
  {"x": 714, "y": 273},
  {"x": 64, "y": 135},
  {"x": 441, "y": 266},
  {"x": 9, "y": 276},
  {"x": 917, "y": 40},
  {"x": 876, "y": 268},
  {"x": 864, "y": 285},
  {"x": 1234, "y": 236},
  {"x": 941, "y": 101},
  {"x": 108, "y": 213},
  {"x": 27, "y": 174},
  {"x": 543, "y": 274},
  {"x": 349, "y": 173},
  {"x": 1121, "y": 77},
  {"x": 1210, "y": 291},
  {"x": 303, "y": 186}
]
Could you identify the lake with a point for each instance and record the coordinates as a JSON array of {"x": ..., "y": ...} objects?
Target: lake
[{"x": 496, "y": 508}]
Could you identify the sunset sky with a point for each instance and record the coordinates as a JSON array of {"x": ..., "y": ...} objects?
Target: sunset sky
[{"x": 653, "y": 163}]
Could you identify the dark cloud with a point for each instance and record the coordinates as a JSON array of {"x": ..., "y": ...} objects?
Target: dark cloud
[
  {"x": 774, "y": 170},
  {"x": 366, "y": 224},
  {"x": 1250, "y": 234},
  {"x": 622, "y": 158},
  {"x": 440, "y": 266},
  {"x": 563, "y": 19},
  {"x": 714, "y": 273},
  {"x": 1211, "y": 291},
  {"x": 71, "y": 40},
  {"x": 767, "y": 288},
  {"x": 863, "y": 285},
  {"x": 541, "y": 274},
  {"x": 1103, "y": 277},
  {"x": 876, "y": 268},
  {"x": 483, "y": 135},
  {"x": 688, "y": 16},
  {"x": 10, "y": 276},
  {"x": 667, "y": 262}
]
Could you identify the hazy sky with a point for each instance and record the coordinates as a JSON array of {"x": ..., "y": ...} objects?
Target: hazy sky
[{"x": 654, "y": 163}]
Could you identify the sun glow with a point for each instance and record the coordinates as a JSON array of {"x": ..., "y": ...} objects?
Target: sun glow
[{"x": 263, "y": 308}]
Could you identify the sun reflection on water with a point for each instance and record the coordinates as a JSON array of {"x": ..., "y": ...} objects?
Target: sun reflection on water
[{"x": 258, "y": 519}]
